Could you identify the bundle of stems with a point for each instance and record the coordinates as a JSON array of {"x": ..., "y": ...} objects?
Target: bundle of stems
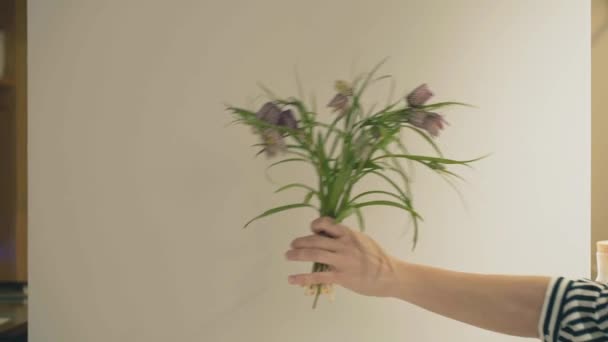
[{"x": 356, "y": 144}]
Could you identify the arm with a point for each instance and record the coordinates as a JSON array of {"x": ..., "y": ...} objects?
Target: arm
[{"x": 506, "y": 304}]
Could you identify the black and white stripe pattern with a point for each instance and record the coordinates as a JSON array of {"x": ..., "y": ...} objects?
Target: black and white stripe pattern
[{"x": 575, "y": 310}]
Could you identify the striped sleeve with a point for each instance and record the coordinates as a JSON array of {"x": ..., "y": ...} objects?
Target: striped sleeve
[{"x": 574, "y": 310}]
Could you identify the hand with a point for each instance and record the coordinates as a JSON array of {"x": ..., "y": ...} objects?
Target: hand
[{"x": 356, "y": 261}]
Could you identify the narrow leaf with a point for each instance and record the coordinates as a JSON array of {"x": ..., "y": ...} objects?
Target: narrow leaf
[
  {"x": 426, "y": 137},
  {"x": 391, "y": 182},
  {"x": 289, "y": 160},
  {"x": 360, "y": 219},
  {"x": 378, "y": 192},
  {"x": 445, "y": 104},
  {"x": 268, "y": 92},
  {"x": 295, "y": 185},
  {"x": 429, "y": 159},
  {"x": 308, "y": 196},
  {"x": 369, "y": 76},
  {"x": 344, "y": 214},
  {"x": 416, "y": 227},
  {"x": 278, "y": 210},
  {"x": 384, "y": 203}
]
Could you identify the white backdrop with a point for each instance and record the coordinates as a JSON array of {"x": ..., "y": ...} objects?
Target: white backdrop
[{"x": 138, "y": 192}]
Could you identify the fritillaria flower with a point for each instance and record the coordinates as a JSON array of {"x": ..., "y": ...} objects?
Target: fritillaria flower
[
  {"x": 430, "y": 122},
  {"x": 273, "y": 142},
  {"x": 270, "y": 113},
  {"x": 419, "y": 96},
  {"x": 433, "y": 123},
  {"x": 341, "y": 102},
  {"x": 287, "y": 119},
  {"x": 343, "y": 87},
  {"x": 272, "y": 138}
]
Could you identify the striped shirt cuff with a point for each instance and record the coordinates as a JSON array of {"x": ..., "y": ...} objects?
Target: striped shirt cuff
[{"x": 574, "y": 310}]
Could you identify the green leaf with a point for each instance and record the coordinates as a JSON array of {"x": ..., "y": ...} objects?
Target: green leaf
[
  {"x": 295, "y": 185},
  {"x": 384, "y": 203},
  {"x": 297, "y": 147},
  {"x": 269, "y": 93},
  {"x": 410, "y": 164},
  {"x": 452, "y": 174},
  {"x": 301, "y": 155},
  {"x": 426, "y": 137},
  {"x": 322, "y": 156},
  {"x": 360, "y": 219},
  {"x": 406, "y": 181},
  {"x": 241, "y": 111},
  {"x": 377, "y": 192},
  {"x": 289, "y": 160},
  {"x": 437, "y": 105},
  {"x": 400, "y": 171},
  {"x": 367, "y": 165},
  {"x": 391, "y": 182},
  {"x": 235, "y": 121},
  {"x": 383, "y": 77},
  {"x": 456, "y": 190},
  {"x": 308, "y": 196},
  {"x": 344, "y": 214},
  {"x": 415, "y": 238},
  {"x": 330, "y": 130},
  {"x": 337, "y": 188},
  {"x": 369, "y": 76},
  {"x": 330, "y": 127},
  {"x": 278, "y": 210},
  {"x": 429, "y": 159}
]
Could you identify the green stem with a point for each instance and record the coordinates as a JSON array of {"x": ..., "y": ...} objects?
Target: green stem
[{"x": 318, "y": 267}]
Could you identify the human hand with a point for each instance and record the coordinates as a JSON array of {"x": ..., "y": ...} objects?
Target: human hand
[{"x": 355, "y": 260}]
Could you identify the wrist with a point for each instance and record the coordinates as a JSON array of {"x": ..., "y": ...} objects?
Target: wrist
[{"x": 402, "y": 280}]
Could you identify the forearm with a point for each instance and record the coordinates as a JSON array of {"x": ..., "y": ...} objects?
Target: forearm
[
  {"x": 506, "y": 304},
  {"x": 548, "y": 308}
]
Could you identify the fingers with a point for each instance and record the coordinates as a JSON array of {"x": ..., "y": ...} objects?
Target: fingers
[
  {"x": 313, "y": 255},
  {"x": 328, "y": 226},
  {"x": 317, "y": 242},
  {"x": 313, "y": 278}
]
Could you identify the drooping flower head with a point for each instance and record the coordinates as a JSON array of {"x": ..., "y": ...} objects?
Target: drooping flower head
[
  {"x": 341, "y": 102},
  {"x": 273, "y": 138},
  {"x": 343, "y": 87},
  {"x": 419, "y": 96},
  {"x": 287, "y": 119},
  {"x": 273, "y": 141},
  {"x": 430, "y": 122},
  {"x": 269, "y": 113}
]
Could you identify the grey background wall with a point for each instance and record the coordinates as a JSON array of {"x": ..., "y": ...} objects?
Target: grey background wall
[{"x": 138, "y": 192}]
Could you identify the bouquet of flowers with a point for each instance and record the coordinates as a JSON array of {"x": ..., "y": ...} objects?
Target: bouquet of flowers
[{"x": 356, "y": 144}]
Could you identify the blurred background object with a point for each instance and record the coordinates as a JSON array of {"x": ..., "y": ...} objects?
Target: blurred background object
[
  {"x": 599, "y": 125},
  {"x": 13, "y": 171},
  {"x": 2, "y": 52}
]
